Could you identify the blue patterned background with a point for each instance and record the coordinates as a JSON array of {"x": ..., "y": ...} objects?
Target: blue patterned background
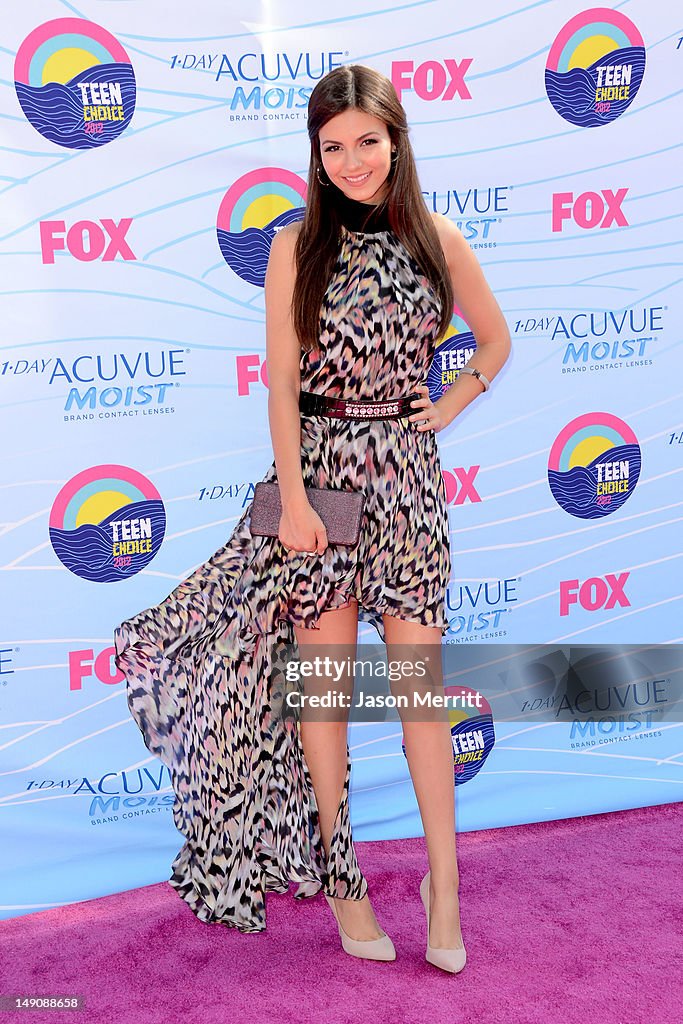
[{"x": 87, "y": 810}]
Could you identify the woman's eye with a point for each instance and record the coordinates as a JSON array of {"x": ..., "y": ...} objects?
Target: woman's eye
[{"x": 333, "y": 149}]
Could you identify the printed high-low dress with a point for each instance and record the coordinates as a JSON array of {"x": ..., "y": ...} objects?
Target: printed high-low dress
[{"x": 198, "y": 664}]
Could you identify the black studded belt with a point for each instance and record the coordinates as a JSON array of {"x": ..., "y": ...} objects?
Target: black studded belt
[{"x": 313, "y": 404}]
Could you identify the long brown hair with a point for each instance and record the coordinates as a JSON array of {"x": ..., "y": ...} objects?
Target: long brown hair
[{"x": 317, "y": 246}]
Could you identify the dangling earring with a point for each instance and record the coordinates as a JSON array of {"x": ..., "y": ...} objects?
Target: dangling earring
[
  {"x": 317, "y": 171},
  {"x": 394, "y": 156}
]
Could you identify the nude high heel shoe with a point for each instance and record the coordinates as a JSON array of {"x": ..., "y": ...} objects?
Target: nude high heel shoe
[
  {"x": 448, "y": 959},
  {"x": 366, "y": 949}
]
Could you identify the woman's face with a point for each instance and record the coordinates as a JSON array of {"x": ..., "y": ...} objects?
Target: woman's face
[{"x": 355, "y": 148}]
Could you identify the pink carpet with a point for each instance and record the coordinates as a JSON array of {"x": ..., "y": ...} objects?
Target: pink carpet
[{"x": 575, "y": 921}]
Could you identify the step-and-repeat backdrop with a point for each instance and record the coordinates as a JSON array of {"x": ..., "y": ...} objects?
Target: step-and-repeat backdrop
[{"x": 148, "y": 155}]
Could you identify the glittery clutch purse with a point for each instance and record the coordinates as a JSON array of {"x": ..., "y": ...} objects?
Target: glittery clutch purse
[{"x": 340, "y": 511}]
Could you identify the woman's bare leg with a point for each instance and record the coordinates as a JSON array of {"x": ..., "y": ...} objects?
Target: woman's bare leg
[
  {"x": 430, "y": 759},
  {"x": 325, "y": 745}
]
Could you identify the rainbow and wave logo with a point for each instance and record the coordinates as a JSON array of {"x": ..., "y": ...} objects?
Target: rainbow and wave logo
[
  {"x": 472, "y": 734},
  {"x": 107, "y": 523},
  {"x": 594, "y": 465},
  {"x": 256, "y": 206},
  {"x": 455, "y": 349},
  {"x": 595, "y": 67},
  {"x": 75, "y": 83}
]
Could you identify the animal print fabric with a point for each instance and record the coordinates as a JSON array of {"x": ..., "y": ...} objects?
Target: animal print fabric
[{"x": 201, "y": 667}]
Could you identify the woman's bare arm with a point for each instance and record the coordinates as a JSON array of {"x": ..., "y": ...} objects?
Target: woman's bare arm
[
  {"x": 301, "y": 528},
  {"x": 283, "y": 353},
  {"x": 481, "y": 311}
]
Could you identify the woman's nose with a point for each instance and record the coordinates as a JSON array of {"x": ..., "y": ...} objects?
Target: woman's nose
[{"x": 353, "y": 160}]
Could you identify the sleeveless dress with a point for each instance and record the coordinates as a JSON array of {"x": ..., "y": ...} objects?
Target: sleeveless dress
[{"x": 198, "y": 665}]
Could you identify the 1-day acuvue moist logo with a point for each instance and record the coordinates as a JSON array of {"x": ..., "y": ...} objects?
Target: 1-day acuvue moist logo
[
  {"x": 75, "y": 83},
  {"x": 595, "y": 67},
  {"x": 256, "y": 206},
  {"x": 107, "y": 523},
  {"x": 594, "y": 465}
]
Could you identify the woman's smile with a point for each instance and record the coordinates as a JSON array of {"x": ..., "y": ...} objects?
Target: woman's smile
[{"x": 357, "y": 179}]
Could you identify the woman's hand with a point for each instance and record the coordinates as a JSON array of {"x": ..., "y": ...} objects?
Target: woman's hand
[
  {"x": 301, "y": 529},
  {"x": 430, "y": 417}
]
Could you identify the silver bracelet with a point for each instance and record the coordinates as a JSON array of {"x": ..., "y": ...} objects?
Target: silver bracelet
[{"x": 478, "y": 374}]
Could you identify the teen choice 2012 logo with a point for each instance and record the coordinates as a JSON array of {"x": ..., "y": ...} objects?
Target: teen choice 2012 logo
[
  {"x": 595, "y": 67},
  {"x": 472, "y": 734},
  {"x": 594, "y": 465},
  {"x": 75, "y": 83},
  {"x": 454, "y": 350},
  {"x": 252, "y": 210},
  {"x": 107, "y": 523}
]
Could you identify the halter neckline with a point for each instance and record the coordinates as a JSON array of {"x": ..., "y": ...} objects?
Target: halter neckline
[{"x": 361, "y": 218}]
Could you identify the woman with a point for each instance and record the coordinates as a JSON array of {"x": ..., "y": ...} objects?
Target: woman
[{"x": 356, "y": 296}]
